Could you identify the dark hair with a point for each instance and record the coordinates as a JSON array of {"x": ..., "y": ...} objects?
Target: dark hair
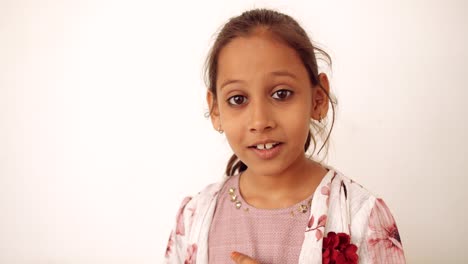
[{"x": 286, "y": 29}]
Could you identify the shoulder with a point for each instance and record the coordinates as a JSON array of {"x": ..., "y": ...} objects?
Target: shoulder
[
  {"x": 362, "y": 205},
  {"x": 373, "y": 226},
  {"x": 367, "y": 212},
  {"x": 202, "y": 197},
  {"x": 358, "y": 196},
  {"x": 190, "y": 215},
  {"x": 194, "y": 205}
]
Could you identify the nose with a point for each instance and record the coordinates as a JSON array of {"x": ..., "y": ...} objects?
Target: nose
[{"x": 260, "y": 117}]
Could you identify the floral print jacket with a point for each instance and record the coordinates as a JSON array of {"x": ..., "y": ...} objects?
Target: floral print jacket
[{"x": 339, "y": 205}]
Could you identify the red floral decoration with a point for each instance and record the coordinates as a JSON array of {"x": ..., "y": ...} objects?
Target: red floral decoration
[{"x": 337, "y": 249}]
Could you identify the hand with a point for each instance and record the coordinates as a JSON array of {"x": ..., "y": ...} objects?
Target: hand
[{"x": 240, "y": 258}]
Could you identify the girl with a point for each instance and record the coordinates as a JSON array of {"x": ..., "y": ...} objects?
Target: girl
[{"x": 276, "y": 205}]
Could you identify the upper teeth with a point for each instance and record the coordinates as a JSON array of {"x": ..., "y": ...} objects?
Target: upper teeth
[{"x": 266, "y": 146}]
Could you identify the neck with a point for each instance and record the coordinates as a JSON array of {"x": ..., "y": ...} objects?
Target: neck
[{"x": 295, "y": 183}]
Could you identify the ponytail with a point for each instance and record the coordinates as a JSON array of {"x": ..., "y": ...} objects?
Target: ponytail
[{"x": 235, "y": 165}]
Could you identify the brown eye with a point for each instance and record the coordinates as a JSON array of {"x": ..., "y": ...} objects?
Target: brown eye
[
  {"x": 282, "y": 94},
  {"x": 237, "y": 100}
]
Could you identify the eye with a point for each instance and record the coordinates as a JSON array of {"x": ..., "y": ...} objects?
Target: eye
[
  {"x": 282, "y": 94},
  {"x": 237, "y": 100}
]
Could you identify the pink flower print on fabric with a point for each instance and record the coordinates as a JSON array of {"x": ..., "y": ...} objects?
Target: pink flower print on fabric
[
  {"x": 322, "y": 221},
  {"x": 384, "y": 241},
  {"x": 191, "y": 215},
  {"x": 191, "y": 254},
  {"x": 180, "y": 228},
  {"x": 169, "y": 245},
  {"x": 325, "y": 190}
]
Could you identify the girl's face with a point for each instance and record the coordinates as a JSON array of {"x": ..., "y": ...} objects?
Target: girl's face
[{"x": 264, "y": 103}]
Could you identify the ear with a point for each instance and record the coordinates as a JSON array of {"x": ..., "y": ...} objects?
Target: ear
[
  {"x": 213, "y": 110},
  {"x": 319, "y": 98}
]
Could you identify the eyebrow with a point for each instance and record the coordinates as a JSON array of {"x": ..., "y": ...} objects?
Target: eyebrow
[{"x": 274, "y": 73}]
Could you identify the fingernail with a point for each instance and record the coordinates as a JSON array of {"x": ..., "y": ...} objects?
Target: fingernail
[{"x": 234, "y": 254}]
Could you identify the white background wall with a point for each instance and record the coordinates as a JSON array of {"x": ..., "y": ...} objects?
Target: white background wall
[{"x": 102, "y": 128}]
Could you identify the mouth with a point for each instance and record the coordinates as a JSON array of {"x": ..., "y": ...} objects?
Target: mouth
[
  {"x": 267, "y": 151},
  {"x": 265, "y": 146}
]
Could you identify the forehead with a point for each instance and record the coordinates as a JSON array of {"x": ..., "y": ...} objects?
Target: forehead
[{"x": 256, "y": 57}]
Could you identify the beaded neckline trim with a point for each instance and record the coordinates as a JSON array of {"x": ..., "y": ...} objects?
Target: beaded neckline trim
[{"x": 234, "y": 198}]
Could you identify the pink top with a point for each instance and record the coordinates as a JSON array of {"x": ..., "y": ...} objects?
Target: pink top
[{"x": 267, "y": 235}]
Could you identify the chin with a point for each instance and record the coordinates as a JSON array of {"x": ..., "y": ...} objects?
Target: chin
[{"x": 267, "y": 168}]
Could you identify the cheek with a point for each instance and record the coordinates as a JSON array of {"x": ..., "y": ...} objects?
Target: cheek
[
  {"x": 235, "y": 141},
  {"x": 300, "y": 129},
  {"x": 228, "y": 121},
  {"x": 232, "y": 130},
  {"x": 231, "y": 119},
  {"x": 299, "y": 125}
]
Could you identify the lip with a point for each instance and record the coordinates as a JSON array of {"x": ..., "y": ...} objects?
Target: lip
[
  {"x": 267, "y": 154},
  {"x": 266, "y": 141}
]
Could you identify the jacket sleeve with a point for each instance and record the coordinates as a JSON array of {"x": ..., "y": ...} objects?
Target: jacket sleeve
[
  {"x": 381, "y": 243},
  {"x": 178, "y": 250}
]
